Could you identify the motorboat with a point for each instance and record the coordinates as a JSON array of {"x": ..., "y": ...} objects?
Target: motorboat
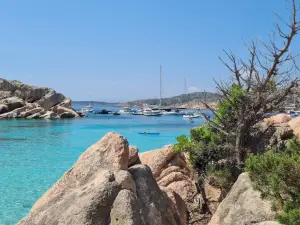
[
  {"x": 152, "y": 112},
  {"x": 103, "y": 111},
  {"x": 191, "y": 115},
  {"x": 138, "y": 113},
  {"x": 180, "y": 112},
  {"x": 174, "y": 113},
  {"x": 116, "y": 114},
  {"x": 171, "y": 113},
  {"x": 87, "y": 109},
  {"x": 126, "y": 110}
]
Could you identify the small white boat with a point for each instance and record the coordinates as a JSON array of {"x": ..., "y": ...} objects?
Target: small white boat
[
  {"x": 174, "y": 113},
  {"x": 138, "y": 113},
  {"x": 87, "y": 109},
  {"x": 191, "y": 115},
  {"x": 126, "y": 110},
  {"x": 171, "y": 113},
  {"x": 151, "y": 112}
]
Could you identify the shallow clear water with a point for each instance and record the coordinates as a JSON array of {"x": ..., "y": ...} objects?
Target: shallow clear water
[{"x": 35, "y": 153}]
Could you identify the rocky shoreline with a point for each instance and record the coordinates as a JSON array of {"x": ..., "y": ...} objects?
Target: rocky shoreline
[
  {"x": 18, "y": 100},
  {"x": 112, "y": 184}
]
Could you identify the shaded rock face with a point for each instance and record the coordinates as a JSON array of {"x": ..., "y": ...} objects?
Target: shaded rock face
[
  {"x": 273, "y": 136},
  {"x": 100, "y": 190},
  {"x": 133, "y": 156},
  {"x": 243, "y": 206},
  {"x": 50, "y": 100},
  {"x": 17, "y": 98},
  {"x": 172, "y": 173},
  {"x": 12, "y": 103},
  {"x": 213, "y": 195},
  {"x": 155, "y": 205},
  {"x": 3, "y": 108}
]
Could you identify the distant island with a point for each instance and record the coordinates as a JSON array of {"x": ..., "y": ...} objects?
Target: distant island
[
  {"x": 94, "y": 103},
  {"x": 191, "y": 100}
]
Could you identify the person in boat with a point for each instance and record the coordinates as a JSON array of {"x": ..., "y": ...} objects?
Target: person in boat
[
  {"x": 145, "y": 132},
  {"x": 191, "y": 120}
]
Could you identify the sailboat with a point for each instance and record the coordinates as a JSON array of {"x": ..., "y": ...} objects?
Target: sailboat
[
  {"x": 154, "y": 110},
  {"x": 88, "y": 109}
]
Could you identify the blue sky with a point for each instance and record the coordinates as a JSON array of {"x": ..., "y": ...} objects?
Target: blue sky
[{"x": 112, "y": 50}]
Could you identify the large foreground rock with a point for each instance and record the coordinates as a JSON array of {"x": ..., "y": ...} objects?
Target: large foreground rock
[
  {"x": 17, "y": 99},
  {"x": 173, "y": 174},
  {"x": 243, "y": 206},
  {"x": 170, "y": 169},
  {"x": 100, "y": 190}
]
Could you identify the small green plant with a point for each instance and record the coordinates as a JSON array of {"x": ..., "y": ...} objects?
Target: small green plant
[{"x": 277, "y": 175}]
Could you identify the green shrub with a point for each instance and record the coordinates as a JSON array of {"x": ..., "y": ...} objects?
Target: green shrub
[
  {"x": 277, "y": 175},
  {"x": 206, "y": 145},
  {"x": 221, "y": 175},
  {"x": 290, "y": 214},
  {"x": 227, "y": 107}
]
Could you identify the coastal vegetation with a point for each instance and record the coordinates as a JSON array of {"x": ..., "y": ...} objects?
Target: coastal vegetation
[
  {"x": 259, "y": 85},
  {"x": 277, "y": 175}
]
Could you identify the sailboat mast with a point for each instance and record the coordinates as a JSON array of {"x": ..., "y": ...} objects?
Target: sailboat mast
[
  {"x": 294, "y": 91},
  {"x": 160, "y": 87}
]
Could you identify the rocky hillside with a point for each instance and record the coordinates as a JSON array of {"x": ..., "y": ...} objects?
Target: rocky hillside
[
  {"x": 111, "y": 184},
  {"x": 18, "y": 100},
  {"x": 94, "y": 103},
  {"x": 180, "y": 99},
  {"x": 196, "y": 104}
]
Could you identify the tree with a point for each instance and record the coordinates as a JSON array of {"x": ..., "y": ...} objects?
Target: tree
[{"x": 258, "y": 85}]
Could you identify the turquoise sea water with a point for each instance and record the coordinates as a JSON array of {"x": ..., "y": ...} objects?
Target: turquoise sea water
[{"x": 35, "y": 153}]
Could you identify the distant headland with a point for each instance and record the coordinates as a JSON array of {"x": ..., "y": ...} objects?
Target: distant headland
[{"x": 191, "y": 100}]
